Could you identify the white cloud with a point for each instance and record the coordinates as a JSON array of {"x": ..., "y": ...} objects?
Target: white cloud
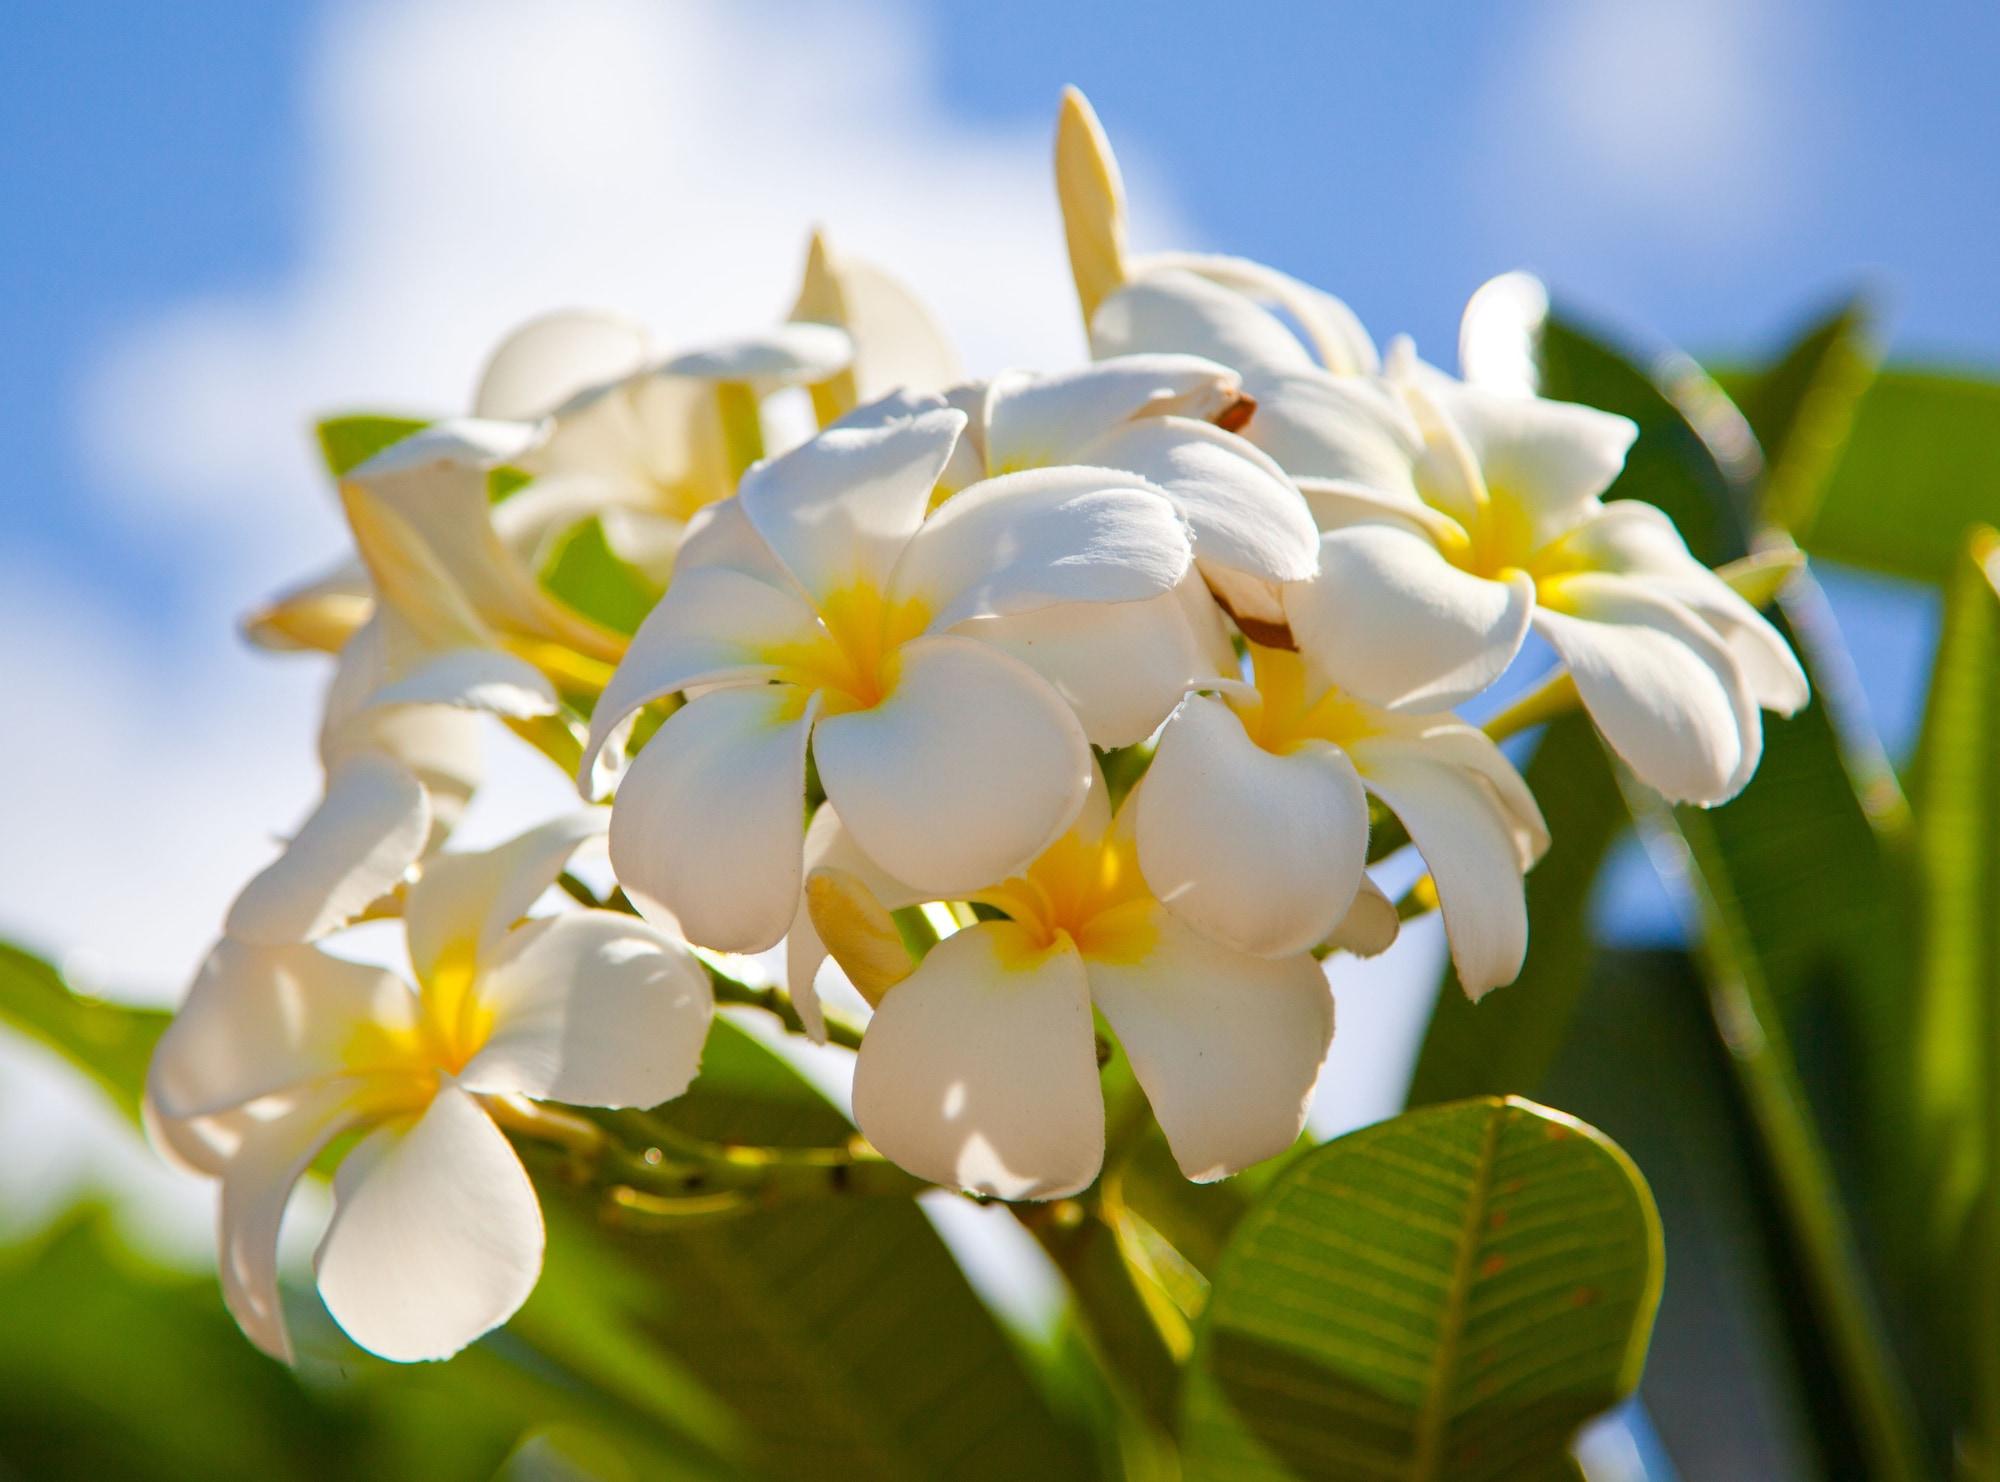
[{"x": 1681, "y": 120}]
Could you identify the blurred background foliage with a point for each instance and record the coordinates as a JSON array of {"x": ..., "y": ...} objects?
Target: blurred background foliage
[{"x": 1809, "y": 1086}]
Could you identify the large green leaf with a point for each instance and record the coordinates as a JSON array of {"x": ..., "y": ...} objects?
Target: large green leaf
[
  {"x": 110, "y": 1043},
  {"x": 1950, "y": 1199},
  {"x": 110, "y": 1367},
  {"x": 1643, "y": 1064},
  {"x": 1920, "y": 468},
  {"x": 1450, "y": 1294},
  {"x": 838, "y": 1334},
  {"x": 1506, "y": 1041},
  {"x": 1802, "y": 408}
]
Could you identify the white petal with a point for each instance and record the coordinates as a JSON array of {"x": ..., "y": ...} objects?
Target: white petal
[
  {"x": 1371, "y": 925},
  {"x": 1035, "y": 421},
  {"x": 1029, "y": 540},
  {"x": 436, "y": 1235},
  {"x": 1332, "y": 329},
  {"x": 548, "y": 360},
  {"x": 1121, "y": 666},
  {"x": 1468, "y": 841},
  {"x": 784, "y": 355},
  {"x": 1390, "y": 619},
  {"x": 969, "y": 769},
  {"x": 367, "y": 832},
  {"x": 1448, "y": 741},
  {"x": 592, "y": 1008},
  {"x": 1550, "y": 458},
  {"x": 839, "y": 509},
  {"x": 715, "y": 624},
  {"x": 1227, "y": 1046},
  {"x": 1245, "y": 515},
  {"x": 485, "y": 679},
  {"x": 898, "y": 343},
  {"x": 439, "y": 745},
  {"x": 260, "y": 1020},
  {"x": 465, "y": 903},
  {"x": 257, "y": 1182},
  {"x": 1499, "y": 335},
  {"x": 1175, "y": 312},
  {"x": 979, "y": 1070},
  {"x": 436, "y": 482},
  {"x": 1657, "y": 682},
  {"x": 320, "y": 612},
  {"x": 707, "y": 827},
  {"x": 1634, "y": 539},
  {"x": 1340, "y": 430},
  {"x": 1259, "y": 851}
]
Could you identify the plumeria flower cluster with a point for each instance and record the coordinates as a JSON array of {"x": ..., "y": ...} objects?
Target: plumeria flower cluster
[{"x": 1069, "y": 714}]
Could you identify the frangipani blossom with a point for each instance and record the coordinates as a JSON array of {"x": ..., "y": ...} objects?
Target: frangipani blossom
[
  {"x": 436, "y": 1235},
  {"x": 645, "y": 442},
  {"x": 821, "y": 606},
  {"x": 397, "y": 778},
  {"x": 1464, "y": 516},
  {"x": 462, "y": 620},
  {"x": 1286, "y": 339},
  {"x": 1163, "y": 419},
  {"x": 979, "y": 1069},
  {"x": 1173, "y": 420},
  {"x": 1253, "y": 824}
]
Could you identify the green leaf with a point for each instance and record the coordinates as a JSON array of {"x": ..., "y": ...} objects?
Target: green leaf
[
  {"x": 839, "y": 1334},
  {"x": 1450, "y": 1294},
  {"x": 1802, "y": 409},
  {"x": 583, "y": 572},
  {"x": 110, "y": 1367},
  {"x": 1920, "y": 468},
  {"x": 1644, "y": 1065},
  {"x": 1506, "y": 1041},
  {"x": 348, "y": 442},
  {"x": 1953, "y": 1073},
  {"x": 110, "y": 1043}
]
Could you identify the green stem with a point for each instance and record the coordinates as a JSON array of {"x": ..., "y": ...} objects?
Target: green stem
[
  {"x": 1136, "y": 1337},
  {"x": 742, "y": 425},
  {"x": 775, "y": 1001},
  {"x": 1554, "y": 696}
]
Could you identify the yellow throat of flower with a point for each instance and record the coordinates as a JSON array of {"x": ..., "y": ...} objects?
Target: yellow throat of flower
[
  {"x": 1089, "y": 891},
  {"x": 853, "y": 661},
  {"x": 1291, "y": 707}
]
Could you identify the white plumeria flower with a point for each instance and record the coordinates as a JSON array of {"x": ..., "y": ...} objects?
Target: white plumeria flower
[
  {"x": 1253, "y": 824},
  {"x": 1286, "y": 339},
  {"x": 1164, "y": 419},
  {"x": 462, "y": 619},
  {"x": 821, "y": 604},
  {"x": 436, "y": 1234},
  {"x": 646, "y": 442},
  {"x": 641, "y": 442},
  {"x": 397, "y": 779},
  {"x": 979, "y": 1069},
  {"x": 1465, "y": 516}
]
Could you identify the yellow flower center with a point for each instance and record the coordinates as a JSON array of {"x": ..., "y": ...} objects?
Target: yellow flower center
[
  {"x": 456, "y": 1019},
  {"x": 853, "y": 659},
  {"x": 1089, "y": 891},
  {"x": 1291, "y": 708}
]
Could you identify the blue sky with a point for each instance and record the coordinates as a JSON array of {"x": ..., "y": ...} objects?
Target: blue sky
[{"x": 161, "y": 152}]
